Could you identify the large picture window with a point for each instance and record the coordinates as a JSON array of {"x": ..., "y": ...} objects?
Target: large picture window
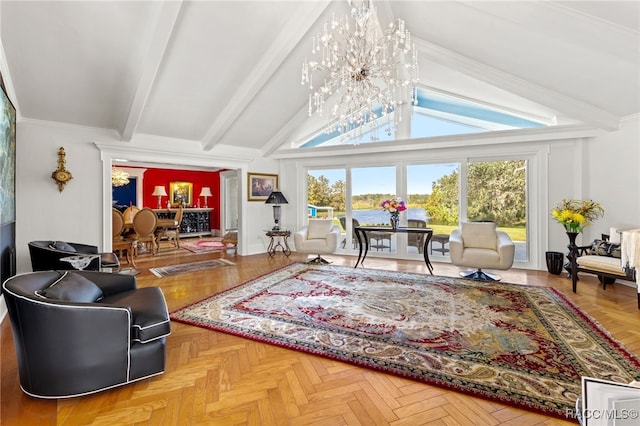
[{"x": 435, "y": 195}]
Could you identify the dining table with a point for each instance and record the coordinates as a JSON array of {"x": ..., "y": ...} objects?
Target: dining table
[{"x": 160, "y": 224}]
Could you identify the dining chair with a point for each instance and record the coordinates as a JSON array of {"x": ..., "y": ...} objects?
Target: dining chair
[
  {"x": 172, "y": 231},
  {"x": 416, "y": 239},
  {"x": 129, "y": 213},
  {"x": 120, "y": 243},
  {"x": 144, "y": 227},
  {"x": 354, "y": 237}
]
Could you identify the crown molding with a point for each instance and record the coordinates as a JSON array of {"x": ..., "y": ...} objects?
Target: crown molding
[
  {"x": 95, "y": 131},
  {"x": 547, "y": 134}
]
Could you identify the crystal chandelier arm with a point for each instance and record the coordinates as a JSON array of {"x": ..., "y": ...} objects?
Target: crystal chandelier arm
[{"x": 368, "y": 69}]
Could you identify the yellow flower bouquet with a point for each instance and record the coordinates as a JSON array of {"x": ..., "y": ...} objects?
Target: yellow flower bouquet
[{"x": 575, "y": 215}]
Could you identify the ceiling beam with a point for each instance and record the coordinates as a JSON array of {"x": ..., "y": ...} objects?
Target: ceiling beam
[
  {"x": 569, "y": 106},
  {"x": 296, "y": 28},
  {"x": 165, "y": 23}
]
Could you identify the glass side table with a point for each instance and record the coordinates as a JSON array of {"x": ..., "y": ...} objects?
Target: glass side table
[
  {"x": 80, "y": 262},
  {"x": 279, "y": 239}
]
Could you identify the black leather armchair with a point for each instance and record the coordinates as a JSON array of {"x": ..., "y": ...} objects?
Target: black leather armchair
[
  {"x": 46, "y": 255},
  {"x": 68, "y": 344}
]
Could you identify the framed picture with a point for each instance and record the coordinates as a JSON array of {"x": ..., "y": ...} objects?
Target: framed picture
[
  {"x": 260, "y": 185},
  {"x": 7, "y": 160},
  {"x": 181, "y": 193}
]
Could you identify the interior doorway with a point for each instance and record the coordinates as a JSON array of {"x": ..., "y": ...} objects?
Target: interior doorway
[{"x": 229, "y": 201}]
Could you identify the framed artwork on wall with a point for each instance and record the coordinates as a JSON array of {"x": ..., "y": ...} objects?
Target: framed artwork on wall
[
  {"x": 7, "y": 159},
  {"x": 260, "y": 185},
  {"x": 181, "y": 193}
]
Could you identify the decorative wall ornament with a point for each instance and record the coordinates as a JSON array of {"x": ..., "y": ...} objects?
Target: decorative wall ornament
[{"x": 61, "y": 175}]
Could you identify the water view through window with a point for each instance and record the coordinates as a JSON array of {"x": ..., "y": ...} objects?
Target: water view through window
[{"x": 495, "y": 190}]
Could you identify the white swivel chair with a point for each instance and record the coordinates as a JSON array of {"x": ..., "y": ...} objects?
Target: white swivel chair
[
  {"x": 480, "y": 245},
  {"x": 319, "y": 237}
]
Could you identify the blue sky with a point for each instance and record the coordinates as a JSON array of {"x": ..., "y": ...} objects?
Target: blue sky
[{"x": 381, "y": 180}]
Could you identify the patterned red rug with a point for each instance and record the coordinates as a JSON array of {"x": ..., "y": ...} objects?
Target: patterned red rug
[
  {"x": 203, "y": 245},
  {"x": 520, "y": 345}
]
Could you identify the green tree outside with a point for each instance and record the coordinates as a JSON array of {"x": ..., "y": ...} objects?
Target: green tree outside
[{"x": 496, "y": 191}]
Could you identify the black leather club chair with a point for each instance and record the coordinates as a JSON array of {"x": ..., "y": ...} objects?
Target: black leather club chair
[
  {"x": 80, "y": 332},
  {"x": 46, "y": 255}
]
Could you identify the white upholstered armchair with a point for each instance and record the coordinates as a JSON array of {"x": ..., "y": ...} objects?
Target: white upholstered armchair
[
  {"x": 480, "y": 245},
  {"x": 319, "y": 237}
]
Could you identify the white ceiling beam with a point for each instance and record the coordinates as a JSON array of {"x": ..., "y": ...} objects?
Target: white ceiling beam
[
  {"x": 569, "y": 106},
  {"x": 292, "y": 33},
  {"x": 165, "y": 23}
]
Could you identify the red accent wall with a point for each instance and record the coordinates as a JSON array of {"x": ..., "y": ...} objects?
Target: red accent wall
[{"x": 153, "y": 177}]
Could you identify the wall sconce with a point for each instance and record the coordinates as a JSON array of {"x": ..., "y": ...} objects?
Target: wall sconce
[
  {"x": 206, "y": 192},
  {"x": 276, "y": 198},
  {"x": 61, "y": 175},
  {"x": 159, "y": 192}
]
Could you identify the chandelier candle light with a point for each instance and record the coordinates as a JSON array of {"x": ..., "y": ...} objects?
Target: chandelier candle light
[
  {"x": 371, "y": 71},
  {"x": 119, "y": 177}
]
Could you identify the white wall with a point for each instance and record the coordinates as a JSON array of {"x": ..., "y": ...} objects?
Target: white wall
[
  {"x": 613, "y": 176},
  {"x": 582, "y": 164},
  {"x": 82, "y": 211},
  {"x": 603, "y": 168},
  {"x": 44, "y": 213}
]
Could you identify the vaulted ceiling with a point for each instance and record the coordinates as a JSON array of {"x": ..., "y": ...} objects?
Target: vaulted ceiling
[{"x": 228, "y": 72}]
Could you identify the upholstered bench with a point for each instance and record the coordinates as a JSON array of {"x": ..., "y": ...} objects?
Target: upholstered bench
[{"x": 602, "y": 259}]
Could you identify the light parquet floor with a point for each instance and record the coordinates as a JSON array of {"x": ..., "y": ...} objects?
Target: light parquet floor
[{"x": 216, "y": 379}]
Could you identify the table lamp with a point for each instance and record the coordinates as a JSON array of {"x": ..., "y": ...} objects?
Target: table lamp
[
  {"x": 276, "y": 198},
  {"x": 159, "y": 192},
  {"x": 206, "y": 192}
]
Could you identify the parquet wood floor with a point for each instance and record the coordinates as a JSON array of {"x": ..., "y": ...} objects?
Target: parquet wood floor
[{"x": 216, "y": 379}]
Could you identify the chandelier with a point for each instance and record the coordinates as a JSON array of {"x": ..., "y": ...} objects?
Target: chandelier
[
  {"x": 371, "y": 71},
  {"x": 119, "y": 177}
]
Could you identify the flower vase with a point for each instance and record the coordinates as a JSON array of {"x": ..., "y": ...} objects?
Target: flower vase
[
  {"x": 395, "y": 221},
  {"x": 572, "y": 239},
  {"x": 573, "y": 251}
]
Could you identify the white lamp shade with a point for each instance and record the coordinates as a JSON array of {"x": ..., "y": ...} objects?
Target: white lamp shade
[
  {"x": 159, "y": 191},
  {"x": 206, "y": 192}
]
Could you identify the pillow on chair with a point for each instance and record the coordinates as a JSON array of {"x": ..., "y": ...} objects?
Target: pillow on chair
[
  {"x": 72, "y": 287},
  {"x": 480, "y": 234},
  {"x": 605, "y": 248},
  {"x": 62, "y": 246},
  {"x": 318, "y": 228}
]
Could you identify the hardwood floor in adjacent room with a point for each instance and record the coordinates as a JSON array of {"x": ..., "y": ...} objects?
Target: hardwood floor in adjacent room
[{"x": 213, "y": 378}]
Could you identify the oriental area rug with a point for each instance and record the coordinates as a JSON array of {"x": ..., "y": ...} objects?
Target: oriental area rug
[
  {"x": 185, "y": 268},
  {"x": 203, "y": 245},
  {"x": 520, "y": 345}
]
